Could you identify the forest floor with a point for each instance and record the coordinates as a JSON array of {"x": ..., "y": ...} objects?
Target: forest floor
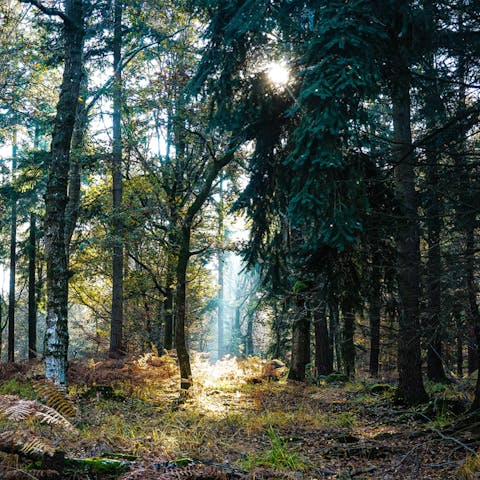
[{"x": 237, "y": 424}]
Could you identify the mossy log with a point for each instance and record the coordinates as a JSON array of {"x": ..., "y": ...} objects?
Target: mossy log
[{"x": 96, "y": 466}]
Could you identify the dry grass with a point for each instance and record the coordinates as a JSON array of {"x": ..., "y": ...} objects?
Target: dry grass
[{"x": 279, "y": 426}]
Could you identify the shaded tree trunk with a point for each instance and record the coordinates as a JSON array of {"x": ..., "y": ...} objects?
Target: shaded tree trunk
[
  {"x": 334, "y": 343},
  {"x": 249, "y": 347},
  {"x": 300, "y": 355},
  {"x": 323, "y": 352},
  {"x": 116, "y": 326},
  {"x": 56, "y": 334},
  {"x": 13, "y": 255},
  {"x": 348, "y": 345},
  {"x": 410, "y": 388},
  {"x": 374, "y": 320},
  {"x": 434, "y": 112},
  {"x": 459, "y": 339},
  {"x": 180, "y": 308},
  {"x": 32, "y": 288},
  {"x": 472, "y": 302},
  {"x": 168, "y": 310}
]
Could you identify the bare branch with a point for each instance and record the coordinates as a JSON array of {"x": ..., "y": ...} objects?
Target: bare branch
[{"x": 49, "y": 11}]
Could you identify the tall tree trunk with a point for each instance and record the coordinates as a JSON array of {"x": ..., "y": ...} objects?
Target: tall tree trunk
[
  {"x": 32, "y": 288},
  {"x": 348, "y": 345},
  {"x": 168, "y": 308},
  {"x": 457, "y": 315},
  {"x": 180, "y": 308},
  {"x": 116, "y": 327},
  {"x": 374, "y": 318},
  {"x": 56, "y": 333},
  {"x": 435, "y": 116},
  {"x": 410, "y": 388},
  {"x": 472, "y": 301},
  {"x": 334, "y": 341},
  {"x": 74, "y": 182},
  {"x": 323, "y": 353},
  {"x": 221, "y": 264},
  {"x": 249, "y": 346},
  {"x": 435, "y": 371},
  {"x": 13, "y": 255},
  {"x": 300, "y": 355}
]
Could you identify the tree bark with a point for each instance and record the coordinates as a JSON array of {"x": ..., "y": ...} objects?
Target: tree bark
[
  {"x": 374, "y": 319},
  {"x": 32, "y": 288},
  {"x": 13, "y": 255},
  {"x": 183, "y": 258},
  {"x": 410, "y": 388},
  {"x": 56, "y": 334},
  {"x": 334, "y": 343},
  {"x": 168, "y": 309},
  {"x": 221, "y": 260},
  {"x": 457, "y": 315},
  {"x": 180, "y": 307},
  {"x": 74, "y": 181},
  {"x": 434, "y": 111},
  {"x": 472, "y": 302},
  {"x": 300, "y": 355},
  {"x": 323, "y": 353},
  {"x": 116, "y": 327},
  {"x": 348, "y": 345}
]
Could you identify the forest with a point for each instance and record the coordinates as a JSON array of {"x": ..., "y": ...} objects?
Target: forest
[{"x": 239, "y": 239}]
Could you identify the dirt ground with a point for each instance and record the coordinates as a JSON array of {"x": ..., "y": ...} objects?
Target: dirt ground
[{"x": 237, "y": 423}]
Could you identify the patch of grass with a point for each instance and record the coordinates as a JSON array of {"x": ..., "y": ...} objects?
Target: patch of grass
[
  {"x": 470, "y": 470},
  {"x": 15, "y": 387},
  {"x": 277, "y": 456},
  {"x": 346, "y": 420}
]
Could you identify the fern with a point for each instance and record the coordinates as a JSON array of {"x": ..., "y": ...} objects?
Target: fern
[
  {"x": 56, "y": 399},
  {"x": 37, "y": 446},
  {"x": 20, "y": 441}
]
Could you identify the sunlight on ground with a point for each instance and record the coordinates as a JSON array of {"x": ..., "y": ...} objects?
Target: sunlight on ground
[{"x": 223, "y": 375}]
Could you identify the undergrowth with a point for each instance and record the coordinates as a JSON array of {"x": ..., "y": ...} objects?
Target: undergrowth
[{"x": 278, "y": 456}]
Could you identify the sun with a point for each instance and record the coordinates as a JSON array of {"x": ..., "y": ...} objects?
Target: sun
[{"x": 278, "y": 73}]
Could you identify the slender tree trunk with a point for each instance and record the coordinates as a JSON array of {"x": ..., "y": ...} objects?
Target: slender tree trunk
[
  {"x": 457, "y": 315},
  {"x": 221, "y": 262},
  {"x": 472, "y": 301},
  {"x": 435, "y": 371},
  {"x": 168, "y": 310},
  {"x": 334, "y": 343},
  {"x": 13, "y": 256},
  {"x": 434, "y": 118},
  {"x": 374, "y": 319},
  {"x": 180, "y": 308},
  {"x": 323, "y": 353},
  {"x": 32, "y": 288},
  {"x": 410, "y": 387},
  {"x": 74, "y": 182},
  {"x": 116, "y": 328},
  {"x": 249, "y": 346},
  {"x": 348, "y": 345},
  {"x": 300, "y": 355},
  {"x": 56, "y": 334}
]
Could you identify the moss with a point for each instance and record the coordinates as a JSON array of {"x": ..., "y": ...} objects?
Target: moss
[{"x": 97, "y": 466}]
